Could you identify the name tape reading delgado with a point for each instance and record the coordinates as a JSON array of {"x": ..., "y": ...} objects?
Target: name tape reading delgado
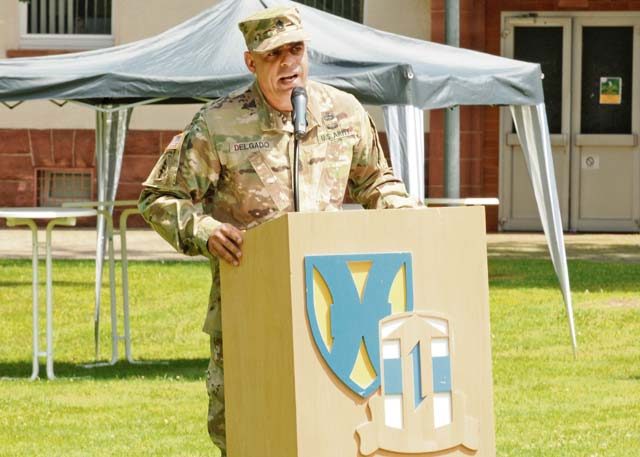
[{"x": 249, "y": 145}]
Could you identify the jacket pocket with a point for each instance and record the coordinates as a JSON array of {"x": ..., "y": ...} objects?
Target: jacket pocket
[
  {"x": 278, "y": 193},
  {"x": 335, "y": 174}
]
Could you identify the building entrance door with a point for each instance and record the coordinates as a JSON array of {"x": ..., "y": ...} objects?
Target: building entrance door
[{"x": 594, "y": 119}]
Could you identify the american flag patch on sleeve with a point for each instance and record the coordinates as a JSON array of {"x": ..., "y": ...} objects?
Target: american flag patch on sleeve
[{"x": 175, "y": 142}]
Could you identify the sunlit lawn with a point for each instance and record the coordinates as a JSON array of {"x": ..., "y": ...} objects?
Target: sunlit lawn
[{"x": 546, "y": 403}]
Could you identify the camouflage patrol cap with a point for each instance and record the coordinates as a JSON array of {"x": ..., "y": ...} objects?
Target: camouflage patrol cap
[{"x": 271, "y": 28}]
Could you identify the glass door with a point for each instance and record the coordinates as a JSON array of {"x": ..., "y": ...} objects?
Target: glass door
[
  {"x": 605, "y": 184},
  {"x": 546, "y": 41}
]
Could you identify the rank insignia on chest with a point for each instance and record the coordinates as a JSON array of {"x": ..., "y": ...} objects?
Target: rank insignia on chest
[{"x": 329, "y": 120}]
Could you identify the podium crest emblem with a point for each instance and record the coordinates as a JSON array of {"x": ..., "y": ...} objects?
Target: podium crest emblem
[
  {"x": 417, "y": 410},
  {"x": 347, "y": 296},
  {"x": 361, "y": 314}
]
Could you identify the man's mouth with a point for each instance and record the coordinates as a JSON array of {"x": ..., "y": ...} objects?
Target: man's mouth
[{"x": 288, "y": 79}]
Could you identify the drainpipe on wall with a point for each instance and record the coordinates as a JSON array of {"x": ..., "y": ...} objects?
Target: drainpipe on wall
[{"x": 452, "y": 115}]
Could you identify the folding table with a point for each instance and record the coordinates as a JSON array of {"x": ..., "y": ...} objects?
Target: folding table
[{"x": 28, "y": 217}]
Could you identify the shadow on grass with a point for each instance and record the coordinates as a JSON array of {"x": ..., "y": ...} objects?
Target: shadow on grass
[
  {"x": 188, "y": 369},
  {"x": 42, "y": 282}
]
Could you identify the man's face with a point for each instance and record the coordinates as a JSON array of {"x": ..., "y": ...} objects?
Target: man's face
[{"x": 278, "y": 71}]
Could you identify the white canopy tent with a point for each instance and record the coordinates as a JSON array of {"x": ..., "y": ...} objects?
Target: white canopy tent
[{"x": 404, "y": 75}]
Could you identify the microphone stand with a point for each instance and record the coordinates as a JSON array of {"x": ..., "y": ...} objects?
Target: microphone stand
[
  {"x": 296, "y": 173},
  {"x": 299, "y": 119}
]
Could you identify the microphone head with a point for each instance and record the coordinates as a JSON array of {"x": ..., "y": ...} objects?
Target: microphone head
[
  {"x": 298, "y": 91},
  {"x": 299, "y": 114}
]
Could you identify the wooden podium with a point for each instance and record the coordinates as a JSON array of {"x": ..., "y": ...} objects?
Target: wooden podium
[{"x": 360, "y": 333}]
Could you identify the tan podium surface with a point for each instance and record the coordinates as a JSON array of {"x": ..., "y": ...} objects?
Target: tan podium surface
[{"x": 295, "y": 385}]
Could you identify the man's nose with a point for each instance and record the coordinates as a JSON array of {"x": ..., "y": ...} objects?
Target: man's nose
[{"x": 289, "y": 59}]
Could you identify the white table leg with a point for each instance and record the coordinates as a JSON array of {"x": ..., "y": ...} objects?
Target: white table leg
[
  {"x": 125, "y": 287},
  {"x": 125, "y": 280},
  {"x": 68, "y": 221},
  {"x": 55, "y": 216},
  {"x": 112, "y": 293},
  {"x": 116, "y": 338},
  {"x": 35, "y": 300},
  {"x": 34, "y": 291},
  {"x": 49, "y": 279},
  {"x": 112, "y": 297}
]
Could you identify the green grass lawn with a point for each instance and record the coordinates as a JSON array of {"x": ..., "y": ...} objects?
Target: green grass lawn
[{"x": 546, "y": 403}]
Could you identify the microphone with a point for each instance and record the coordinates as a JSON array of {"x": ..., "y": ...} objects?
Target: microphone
[{"x": 299, "y": 114}]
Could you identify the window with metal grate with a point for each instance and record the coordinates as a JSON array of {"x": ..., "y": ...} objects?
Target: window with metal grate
[
  {"x": 57, "y": 186},
  {"x": 349, "y": 9},
  {"x": 84, "y": 17},
  {"x": 65, "y": 24}
]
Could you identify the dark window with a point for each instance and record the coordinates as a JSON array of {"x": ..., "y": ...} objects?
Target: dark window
[
  {"x": 69, "y": 17},
  {"x": 543, "y": 45},
  {"x": 349, "y": 9},
  {"x": 607, "y": 52}
]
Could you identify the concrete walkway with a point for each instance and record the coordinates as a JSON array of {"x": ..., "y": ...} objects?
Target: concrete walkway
[
  {"x": 144, "y": 244},
  {"x": 596, "y": 247},
  {"x": 80, "y": 243}
]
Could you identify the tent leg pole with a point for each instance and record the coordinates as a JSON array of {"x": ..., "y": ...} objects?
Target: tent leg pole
[{"x": 100, "y": 221}]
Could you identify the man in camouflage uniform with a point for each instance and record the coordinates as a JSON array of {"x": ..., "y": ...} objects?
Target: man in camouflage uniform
[{"x": 231, "y": 170}]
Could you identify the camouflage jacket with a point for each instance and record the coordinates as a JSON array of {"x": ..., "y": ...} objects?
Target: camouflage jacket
[{"x": 233, "y": 164}]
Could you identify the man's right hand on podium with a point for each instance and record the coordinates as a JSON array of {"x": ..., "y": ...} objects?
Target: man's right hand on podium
[{"x": 226, "y": 243}]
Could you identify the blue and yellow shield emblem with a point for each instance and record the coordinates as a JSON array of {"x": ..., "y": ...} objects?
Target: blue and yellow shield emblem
[{"x": 347, "y": 296}]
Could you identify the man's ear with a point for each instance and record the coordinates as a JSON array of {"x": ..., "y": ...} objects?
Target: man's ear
[{"x": 249, "y": 61}]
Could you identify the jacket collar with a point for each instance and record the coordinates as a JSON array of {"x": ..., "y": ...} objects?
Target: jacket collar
[{"x": 272, "y": 119}]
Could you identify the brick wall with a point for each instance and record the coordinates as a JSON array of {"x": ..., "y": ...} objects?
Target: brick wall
[{"x": 22, "y": 151}]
